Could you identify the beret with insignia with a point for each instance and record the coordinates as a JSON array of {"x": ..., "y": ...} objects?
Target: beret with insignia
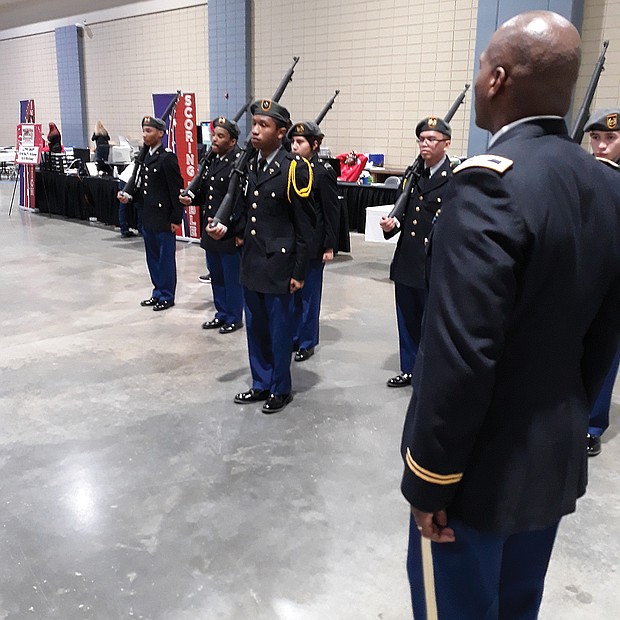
[
  {"x": 267, "y": 107},
  {"x": 307, "y": 129},
  {"x": 433, "y": 123},
  {"x": 228, "y": 124},
  {"x": 151, "y": 121},
  {"x": 604, "y": 120}
]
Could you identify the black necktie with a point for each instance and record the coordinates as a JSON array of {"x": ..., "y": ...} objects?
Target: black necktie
[{"x": 426, "y": 174}]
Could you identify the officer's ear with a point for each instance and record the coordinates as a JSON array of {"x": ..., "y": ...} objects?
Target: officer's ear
[{"x": 281, "y": 132}]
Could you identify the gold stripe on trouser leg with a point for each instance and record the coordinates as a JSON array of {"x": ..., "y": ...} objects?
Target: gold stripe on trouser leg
[{"x": 429, "y": 579}]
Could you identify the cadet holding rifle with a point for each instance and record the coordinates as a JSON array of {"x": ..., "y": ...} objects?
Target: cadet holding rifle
[
  {"x": 223, "y": 256},
  {"x": 422, "y": 207},
  {"x": 275, "y": 226},
  {"x": 306, "y": 139}
]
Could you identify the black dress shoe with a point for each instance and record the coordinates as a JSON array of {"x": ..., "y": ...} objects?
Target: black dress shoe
[
  {"x": 277, "y": 402},
  {"x": 303, "y": 354},
  {"x": 127, "y": 234},
  {"x": 163, "y": 305},
  {"x": 213, "y": 324},
  {"x": 594, "y": 445},
  {"x": 251, "y": 396},
  {"x": 152, "y": 301},
  {"x": 230, "y": 327},
  {"x": 400, "y": 380}
]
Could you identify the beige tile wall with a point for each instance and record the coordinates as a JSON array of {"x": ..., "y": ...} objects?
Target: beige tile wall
[
  {"x": 601, "y": 21},
  {"x": 125, "y": 61},
  {"x": 28, "y": 72},
  {"x": 394, "y": 61}
]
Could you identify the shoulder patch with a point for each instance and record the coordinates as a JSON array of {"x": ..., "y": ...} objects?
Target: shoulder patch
[
  {"x": 492, "y": 162},
  {"x": 608, "y": 162}
]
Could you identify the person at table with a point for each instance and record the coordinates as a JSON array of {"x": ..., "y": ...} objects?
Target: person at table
[
  {"x": 158, "y": 187},
  {"x": 407, "y": 269},
  {"x": 223, "y": 255},
  {"x": 101, "y": 138},
  {"x": 306, "y": 139},
  {"x": 352, "y": 164},
  {"x": 54, "y": 139}
]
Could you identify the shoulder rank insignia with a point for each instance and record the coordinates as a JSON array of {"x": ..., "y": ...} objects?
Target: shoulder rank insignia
[
  {"x": 302, "y": 192},
  {"x": 492, "y": 162},
  {"x": 608, "y": 162}
]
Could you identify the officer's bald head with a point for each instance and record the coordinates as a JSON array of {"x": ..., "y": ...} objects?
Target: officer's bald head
[{"x": 529, "y": 68}]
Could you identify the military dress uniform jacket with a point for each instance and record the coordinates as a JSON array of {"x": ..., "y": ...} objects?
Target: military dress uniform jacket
[
  {"x": 326, "y": 206},
  {"x": 212, "y": 191},
  {"x": 159, "y": 188},
  {"x": 423, "y": 208},
  {"x": 522, "y": 324},
  {"x": 279, "y": 224}
]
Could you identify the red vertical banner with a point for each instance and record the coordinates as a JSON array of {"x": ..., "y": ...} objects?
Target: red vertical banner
[{"x": 185, "y": 135}]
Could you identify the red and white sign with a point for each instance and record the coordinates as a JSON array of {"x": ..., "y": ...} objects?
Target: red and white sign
[
  {"x": 185, "y": 133},
  {"x": 29, "y": 143}
]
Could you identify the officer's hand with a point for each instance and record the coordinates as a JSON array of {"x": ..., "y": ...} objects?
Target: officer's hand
[
  {"x": 433, "y": 525},
  {"x": 387, "y": 223},
  {"x": 185, "y": 200},
  {"x": 217, "y": 231},
  {"x": 123, "y": 197},
  {"x": 238, "y": 242},
  {"x": 328, "y": 255},
  {"x": 295, "y": 285}
]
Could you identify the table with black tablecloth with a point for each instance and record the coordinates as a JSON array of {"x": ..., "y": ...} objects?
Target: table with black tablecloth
[
  {"x": 80, "y": 197},
  {"x": 358, "y": 197}
]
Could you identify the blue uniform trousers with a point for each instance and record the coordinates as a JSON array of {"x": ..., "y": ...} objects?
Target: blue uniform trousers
[
  {"x": 227, "y": 291},
  {"x": 410, "y": 304},
  {"x": 599, "y": 416},
  {"x": 308, "y": 306},
  {"x": 269, "y": 328},
  {"x": 161, "y": 261},
  {"x": 480, "y": 576}
]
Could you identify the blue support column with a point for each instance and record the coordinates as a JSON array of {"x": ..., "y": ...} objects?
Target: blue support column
[
  {"x": 493, "y": 13},
  {"x": 229, "y": 58},
  {"x": 69, "y": 58}
]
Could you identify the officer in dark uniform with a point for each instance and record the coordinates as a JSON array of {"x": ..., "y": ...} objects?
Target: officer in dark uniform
[
  {"x": 522, "y": 323},
  {"x": 306, "y": 141},
  {"x": 223, "y": 256},
  {"x": 604, "y": 128},
  {"x": 407, "y": 269},
  {"x": 158, "y": 187},
  {"x": 279, "y": 223}
]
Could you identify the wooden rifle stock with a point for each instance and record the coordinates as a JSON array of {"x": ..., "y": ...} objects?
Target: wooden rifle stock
[
  {"x": 415, "y": 170},
  {"x": 238, "y": 171},
  {"x": 194, "y": 185},
  {"x": 584, "y": 111}
]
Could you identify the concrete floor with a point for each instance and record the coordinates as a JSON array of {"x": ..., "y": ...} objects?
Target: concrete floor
[{"x": 133, "y": 487}]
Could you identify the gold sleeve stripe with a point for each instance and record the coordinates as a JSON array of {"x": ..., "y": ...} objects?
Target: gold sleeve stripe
[
  {"x": 304, "y": 192},
  {"x": 429, "y": 476}
]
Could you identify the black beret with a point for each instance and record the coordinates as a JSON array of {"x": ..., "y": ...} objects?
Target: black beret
[
  {"x": 228, "y": 124},
  {"x": 151, "y": 121},
  {"x": 307, "y": 129},
  {"x": 603, "y": 120},
  {"x": 433, "y": 123},
  {"x": 267, "y": 107}
]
